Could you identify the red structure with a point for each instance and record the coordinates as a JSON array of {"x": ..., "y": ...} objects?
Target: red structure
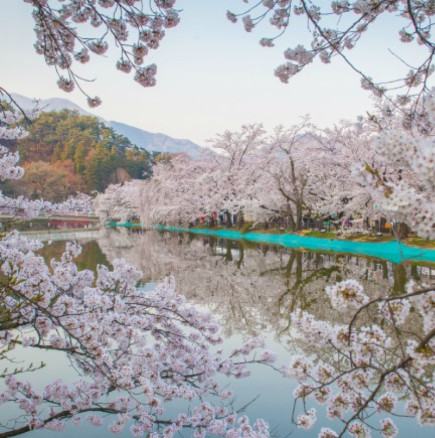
[{"x": 72, "y": 221}]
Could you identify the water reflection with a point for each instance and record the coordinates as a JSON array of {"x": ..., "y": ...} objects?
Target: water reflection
[
  {"x": 252, "y": 288},
  {"x": 90, "y": 257}
]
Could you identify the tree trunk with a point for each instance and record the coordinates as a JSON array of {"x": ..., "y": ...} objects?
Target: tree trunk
[
  {"x": 228, "y": 219},
  {"x": 240, "y": 219},
  {"x": 292, "y": 223},
  {"x": 401, "y": 230},
  {"x": 298, "y": 224}
]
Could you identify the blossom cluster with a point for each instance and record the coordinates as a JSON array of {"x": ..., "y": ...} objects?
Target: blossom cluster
[
  {"x": 118, "y": 201},
  {"x": 122, "y": 338},
  {"x": 347, "y": 294},
  {"x": 335, "y": 28},
  {"x": 408, "y": 195},
  {"x": 127, "y": 25}
]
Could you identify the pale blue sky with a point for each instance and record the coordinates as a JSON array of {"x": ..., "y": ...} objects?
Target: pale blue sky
[{"x": 212, "y": 75}]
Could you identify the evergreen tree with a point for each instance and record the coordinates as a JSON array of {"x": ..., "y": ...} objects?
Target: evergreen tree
[{"x": 88, "y": 152}]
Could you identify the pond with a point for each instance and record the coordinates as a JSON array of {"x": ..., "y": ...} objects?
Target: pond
[{"x": 251, "y": 289}]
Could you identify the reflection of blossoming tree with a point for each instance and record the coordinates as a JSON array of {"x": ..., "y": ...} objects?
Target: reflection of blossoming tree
[
  {"x": 231, "y": 278},
  {"x": 373, "y": 366},
  {"x": 225, "y": 278},
  {"x": 232, "y": 282}
]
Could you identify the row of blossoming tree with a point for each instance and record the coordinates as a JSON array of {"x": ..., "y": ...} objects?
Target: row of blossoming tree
[
  {"x": 349, "y": 170},
  {"x": 136, "y": 350}
]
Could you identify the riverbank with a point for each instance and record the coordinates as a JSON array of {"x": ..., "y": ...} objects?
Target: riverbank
[
  {"x": 354, "y": 237},
  {"x": 414, "y": 241},
  {"x": 58, "y": 231},
  {"x": 392, "y": 250},
  {"x": 90, "y": 233},
  {"x": 51, "y": 223}
]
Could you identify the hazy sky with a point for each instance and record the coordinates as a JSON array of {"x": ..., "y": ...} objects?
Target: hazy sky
[{"x": 212, "y": 75}]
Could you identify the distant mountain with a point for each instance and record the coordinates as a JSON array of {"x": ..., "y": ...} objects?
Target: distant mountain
[
  {"x": 54, "y": 104},
  {"x": 158, "y": 142},
  {"x": 146, "y": 140}
]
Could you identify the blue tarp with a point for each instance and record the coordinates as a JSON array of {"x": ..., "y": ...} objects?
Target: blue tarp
[{"x": 393, "y": 251}]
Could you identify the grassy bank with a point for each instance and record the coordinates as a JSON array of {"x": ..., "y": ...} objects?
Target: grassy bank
[{"x": 355, "y": 237}]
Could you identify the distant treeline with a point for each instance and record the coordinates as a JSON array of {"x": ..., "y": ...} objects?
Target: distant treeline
[{"x": 66, "y": 152}]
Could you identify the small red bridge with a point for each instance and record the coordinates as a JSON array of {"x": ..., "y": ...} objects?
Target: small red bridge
[
  {"x": 72, "y": 221},
  {"x": 58, "y": 222}
]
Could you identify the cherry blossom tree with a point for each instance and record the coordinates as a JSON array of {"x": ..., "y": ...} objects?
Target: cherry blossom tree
[
  {"x": 335, "y": 28},
  {"x": 134, "y": 350},
  {"x": 237, "y": 166},
  {"x": 78, "y": 205},
  {"x": 180, "y": 190},
  {"x": 384, "y": 353},
  {"x": 69, "y": 33},
  {"x": 223, "y": 181},
  {"x": 292, "y": 166},
  {"x": 339, "y": 150},
  {"x": 409, "y": 196},
  {"x": 119, "y": 201},
  {"x": 343, "y": 170}
]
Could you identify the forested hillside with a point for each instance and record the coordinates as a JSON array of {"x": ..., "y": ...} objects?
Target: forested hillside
[{"x": 66, "y": 152}]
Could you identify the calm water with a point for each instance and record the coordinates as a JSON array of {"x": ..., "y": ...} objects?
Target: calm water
[{"x": 251, "y": 289}]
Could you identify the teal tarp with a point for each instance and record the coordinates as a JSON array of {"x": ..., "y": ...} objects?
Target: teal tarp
[
  {"x": 123, "y": 224},
  {"x": 393, "y": 251}
]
